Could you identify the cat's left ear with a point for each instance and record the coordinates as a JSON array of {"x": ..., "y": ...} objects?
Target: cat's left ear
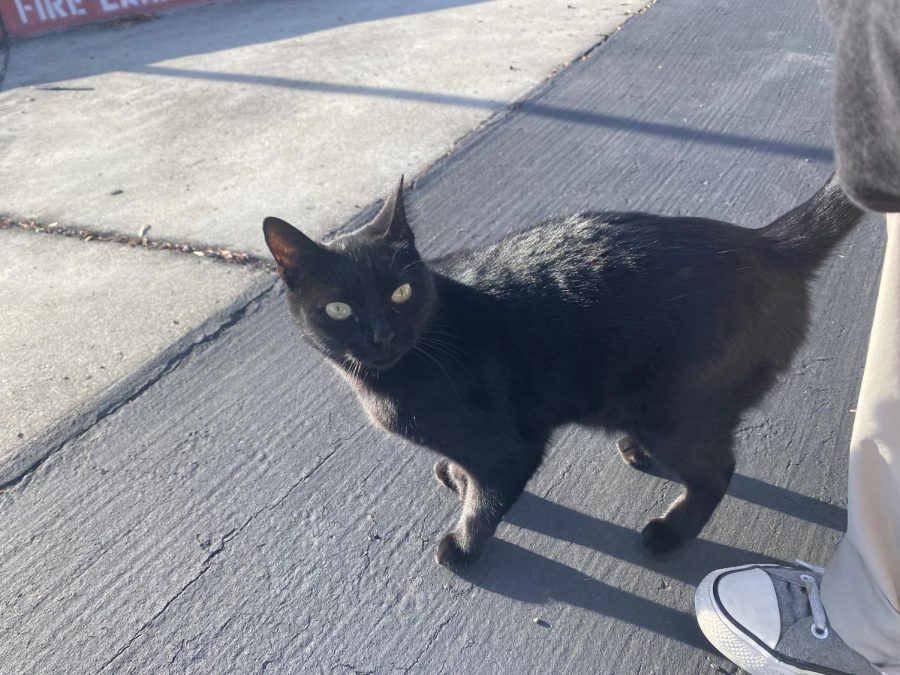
[
  {"x": 291, "y": 249},
  {"x": 390, "y": 224}
]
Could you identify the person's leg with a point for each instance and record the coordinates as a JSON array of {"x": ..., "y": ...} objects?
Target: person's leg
[
  {"x": 774, "y": 619},
  {"x": 861, "y": 584}
]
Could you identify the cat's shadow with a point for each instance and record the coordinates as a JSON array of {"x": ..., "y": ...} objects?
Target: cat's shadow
[
  {"x": 521, "y": 574},
  {"x": 515, "y": 572},
  {"x": 699, "y": 557},
  {"x": 518, "y": 573},
  {"x": 772, "y": 497},
  {"x": 530, "y": 577}
]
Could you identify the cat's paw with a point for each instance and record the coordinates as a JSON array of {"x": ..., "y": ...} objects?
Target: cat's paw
[
  {"x": 451, "y": 555},
  {"x": 632, "y": 454},
  {"x": 660, "y": 539}
]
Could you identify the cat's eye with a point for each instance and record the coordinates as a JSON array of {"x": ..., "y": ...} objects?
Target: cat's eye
[
  {"x": 338, "y": 310},
  {"x": 402, "y": 294}
]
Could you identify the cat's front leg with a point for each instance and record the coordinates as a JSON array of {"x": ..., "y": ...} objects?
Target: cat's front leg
[
  {"x": 484, "y": 506},
  {"x": 483, "y": 509}
]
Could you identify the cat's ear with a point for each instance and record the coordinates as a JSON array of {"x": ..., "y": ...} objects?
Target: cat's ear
[
  {"x": 390, "y": 224},
  {"x": 290, "y": 248}
]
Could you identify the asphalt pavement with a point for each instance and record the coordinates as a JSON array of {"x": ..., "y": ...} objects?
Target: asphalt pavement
[{"x": 236, "y": 513}]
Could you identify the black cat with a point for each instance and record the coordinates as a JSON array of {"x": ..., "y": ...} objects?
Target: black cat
[{"x": 665, "y": 328}]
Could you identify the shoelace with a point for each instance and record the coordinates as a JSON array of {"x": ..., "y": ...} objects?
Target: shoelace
[{"x": 820, "y": 619}]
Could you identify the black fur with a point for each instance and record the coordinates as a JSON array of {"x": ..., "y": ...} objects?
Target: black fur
[{"x": 664, "y": 328}]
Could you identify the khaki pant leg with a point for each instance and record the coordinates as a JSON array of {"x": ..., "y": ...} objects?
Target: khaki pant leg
[{"x": 861, "y": 586}]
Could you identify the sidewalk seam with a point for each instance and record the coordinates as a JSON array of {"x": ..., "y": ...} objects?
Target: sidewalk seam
[
  {"x": 76, "y": 423},
  {"x": 354, "y": 222},
  {"x": 203, "y": 250}
]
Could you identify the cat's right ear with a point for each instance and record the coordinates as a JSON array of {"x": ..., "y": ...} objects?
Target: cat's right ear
[
  {"x": 390, "y": 223},
  {"x": 290, "y": 248}
]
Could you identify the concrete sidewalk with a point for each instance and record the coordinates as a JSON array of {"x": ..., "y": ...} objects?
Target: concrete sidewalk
[
  {"x": 201, "y": 123},
  {"x": 238, "y": 514},
  {"x": 194, "y": 127}
]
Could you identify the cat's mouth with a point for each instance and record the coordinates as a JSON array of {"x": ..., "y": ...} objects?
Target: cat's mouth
[{"x": 382, "y": 360}]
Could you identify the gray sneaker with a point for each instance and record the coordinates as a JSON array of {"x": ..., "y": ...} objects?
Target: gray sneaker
[{"x": 769, "y": 620}]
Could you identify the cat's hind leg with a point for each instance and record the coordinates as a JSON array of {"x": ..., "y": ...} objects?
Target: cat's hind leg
[
  {"x": 451, "y": 476},
  {"x": 633, "y": 454},
  {"x": 705, "y": 467}
]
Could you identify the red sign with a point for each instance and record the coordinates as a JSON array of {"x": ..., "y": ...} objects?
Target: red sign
[{"x": 30, "y": 17}]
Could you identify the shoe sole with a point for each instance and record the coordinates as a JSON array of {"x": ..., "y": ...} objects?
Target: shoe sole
[{"x": 731, "y": 640}]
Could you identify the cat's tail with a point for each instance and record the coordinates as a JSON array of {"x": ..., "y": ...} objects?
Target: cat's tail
[{"x": 806, "y": 234}]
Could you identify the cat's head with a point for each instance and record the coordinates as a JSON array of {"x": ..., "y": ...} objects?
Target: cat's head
[{"x": 364, "y": 298}]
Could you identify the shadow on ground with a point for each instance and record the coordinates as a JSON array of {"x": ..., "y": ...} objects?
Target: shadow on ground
[
  {"x": 530, "y": 577},
  {"x": 210, "y": 29}
]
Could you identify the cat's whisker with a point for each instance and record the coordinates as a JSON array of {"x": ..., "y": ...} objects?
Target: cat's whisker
[
  {"x": 335, "y": 372},
  {"x": 430, "y": 360},
  {"x": 309, "y": 389},
  {"x": 421, "y": 350},
  {"x": 351, "y": 367},
  {"x": 450, "y": 339},
  {"x": 445, "y": 371},
  {"x": 413, "y": 264},
  {"x": 445, "y": 334},
  {"x": 443, "y": 342},
  {"x": 302, "y": 405},
  {"x": 447, "y": 350},
  {"x": 458, "y": 354}
]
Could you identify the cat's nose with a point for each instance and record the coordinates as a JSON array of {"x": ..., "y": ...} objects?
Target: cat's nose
[{"x": 383, "y": 336}]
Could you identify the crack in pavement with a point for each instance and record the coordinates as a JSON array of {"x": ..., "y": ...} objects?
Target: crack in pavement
[
  {"x": 431, "y": 640},
  {"x": 353, "y": 669},
  {"x": 559, "y": 481},
  {"x": 203, "y": 569},
  {"x": 218, "y": 547}
]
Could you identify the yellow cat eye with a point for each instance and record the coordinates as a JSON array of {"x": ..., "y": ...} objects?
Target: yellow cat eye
[
  {"x": 402, "y": 294},
  {"x": 338, "y": 310}
]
